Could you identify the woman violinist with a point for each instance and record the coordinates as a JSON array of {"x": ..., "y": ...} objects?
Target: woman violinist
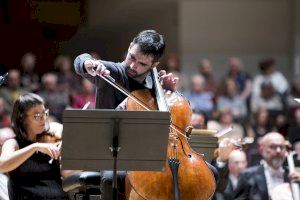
[{"x": 31, "y": 175}]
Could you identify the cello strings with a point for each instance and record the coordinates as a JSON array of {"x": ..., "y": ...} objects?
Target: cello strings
[{"x": 112, "y": 82}]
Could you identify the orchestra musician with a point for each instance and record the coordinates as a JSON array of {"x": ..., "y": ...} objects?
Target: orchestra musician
[
  {"x": 31, "y": 175},
  {"x": 133, "y": 73},
  {"x": 258, "y": 182}
]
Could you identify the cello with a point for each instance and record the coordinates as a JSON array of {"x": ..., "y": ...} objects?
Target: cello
[{"x": 186, "y": 176}]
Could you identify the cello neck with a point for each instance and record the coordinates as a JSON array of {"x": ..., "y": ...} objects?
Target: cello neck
[{"x": 159, "y": 93}]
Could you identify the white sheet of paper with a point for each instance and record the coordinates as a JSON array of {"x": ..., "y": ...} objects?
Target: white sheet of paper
[{"x": 297, "y": 99}]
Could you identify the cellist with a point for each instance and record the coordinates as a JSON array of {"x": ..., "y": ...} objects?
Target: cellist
[{"x": 133, "y": 73}]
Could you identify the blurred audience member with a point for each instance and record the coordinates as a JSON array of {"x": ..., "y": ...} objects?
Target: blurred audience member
[
  {"x": 231, "y": 100},
  {"x": 55, "y": 100},
  {"x": 294, "y": 140},
  {"x": 294, "y": 93},
  {"x": 4, "y": 116},
  {"x": 294, "y": 130},
  {"x": 206, "y": 70},
  {"x": 296, "y": 146},
  {"x": 12, "y": 91},
  {"x": 258, "y": 182},
  {"x": 281, "y": 125},
  {"x": 269, "y": 73},
  {"x": 226, "y": 121},
  {"x": 68, "y": 81},
  {"x": 172, "y": 65},
  {"x": 237, "y": 162},
  {"x": 221, "y": 163},
  {"x": 198, "y": 97},
  {"x": 95, "y": 55},
  {"x": 199, "y": 119},
  {"x": 30, "y": 81},
  {"x": 87, "y": 95},
  {"x": 268, "y": 98},
  {"x": 242, "y": 78},
  {"x": 260, "y": 126}
]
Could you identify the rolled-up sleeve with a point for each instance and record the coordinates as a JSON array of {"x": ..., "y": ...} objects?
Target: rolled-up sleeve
[{"x": 78, "y": 64}]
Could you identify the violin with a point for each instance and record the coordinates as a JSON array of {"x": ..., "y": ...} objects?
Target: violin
[{"x": 52, "y": 135}]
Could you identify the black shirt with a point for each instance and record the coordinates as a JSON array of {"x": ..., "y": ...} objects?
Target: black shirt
[
  {"x": 107, "y": 96},
  {"x": 36, "y": 178}
]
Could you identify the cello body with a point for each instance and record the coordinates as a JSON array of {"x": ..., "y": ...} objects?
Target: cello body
[{"x": 194, "y": 178}]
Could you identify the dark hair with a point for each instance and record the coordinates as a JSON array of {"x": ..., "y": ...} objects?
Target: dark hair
[
  {"x": 21, "y": 106},
  {"x": 150, "y": 43},
  {"x": 201, "y": 112},
  {"x": 266, "y": 64}
]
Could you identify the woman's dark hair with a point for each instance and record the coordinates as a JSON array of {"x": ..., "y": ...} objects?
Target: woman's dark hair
[
  {"x": 266, "y": 64},
  {"x": 150, "y": 43},
  {"x": 21, "y": 106}
]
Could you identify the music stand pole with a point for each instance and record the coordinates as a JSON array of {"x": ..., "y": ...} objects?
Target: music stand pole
[{"x": 115, "y": 149}]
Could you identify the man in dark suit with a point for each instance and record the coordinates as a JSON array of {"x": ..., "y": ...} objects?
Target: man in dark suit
[
  {"x": 237, "y": 162},
  {"x": 257, "y": 183}
]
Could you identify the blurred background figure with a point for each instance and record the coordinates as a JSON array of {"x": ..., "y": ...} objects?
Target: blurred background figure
[
  {"x": 242, "y": 79},
  {"x": 172, "y": 64},
  {"x": 198, "y": 97},
  {"x": 230, "y": 99},
  {"x": 270, "y": 74},
  {"x": 237, "y": 162},
  {"x": 206, "y": 70},
  {"x": 293, "y": 93},
  {"x": 268, "y": 98},
  {"x": 226, "y": 121},
  {"x": 11, "y": 92},
  {"x": 4, "y": 116},
  {"x": 54, "y": 99},
  {"x": 199, "y": 119},
  {"x": 294, "y": 137},
  {"x": 95, "y": 55},
  {"x": 260, "y": 125},
  {"x": 87, "y": 94},
  {"x": 67, "y": 81},
  {"x": 30, "y": 81}
]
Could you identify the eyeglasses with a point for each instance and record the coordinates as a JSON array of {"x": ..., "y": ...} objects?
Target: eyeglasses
[
  {"x": 41, "y": 116},
  {"x": 275, "y": 147}
]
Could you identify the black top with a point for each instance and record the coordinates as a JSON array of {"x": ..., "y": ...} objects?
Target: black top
[
  {"x": 36, "y": 178},
  {"x": 105, "y": 91}
]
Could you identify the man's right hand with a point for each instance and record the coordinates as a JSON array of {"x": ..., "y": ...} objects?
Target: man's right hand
[{"x": 95, "y": 67}]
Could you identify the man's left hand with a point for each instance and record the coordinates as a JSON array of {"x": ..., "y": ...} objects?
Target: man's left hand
[
  {"x": 225, "y": 148},
  {"x": 295, "y": 177},
  {"x": 168, "y": 81}
]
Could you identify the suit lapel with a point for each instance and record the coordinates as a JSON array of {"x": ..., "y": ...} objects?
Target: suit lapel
[{"x": 261, "y": 181}]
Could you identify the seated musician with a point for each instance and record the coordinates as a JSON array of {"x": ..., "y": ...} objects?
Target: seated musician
[
  {"x": 133, "y": 73},
  {"x": 5, "y": 134},
  {"x": 32, "y": 175}
]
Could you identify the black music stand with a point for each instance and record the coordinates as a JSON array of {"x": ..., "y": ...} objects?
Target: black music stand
[{"x": 115, "y": 140}]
